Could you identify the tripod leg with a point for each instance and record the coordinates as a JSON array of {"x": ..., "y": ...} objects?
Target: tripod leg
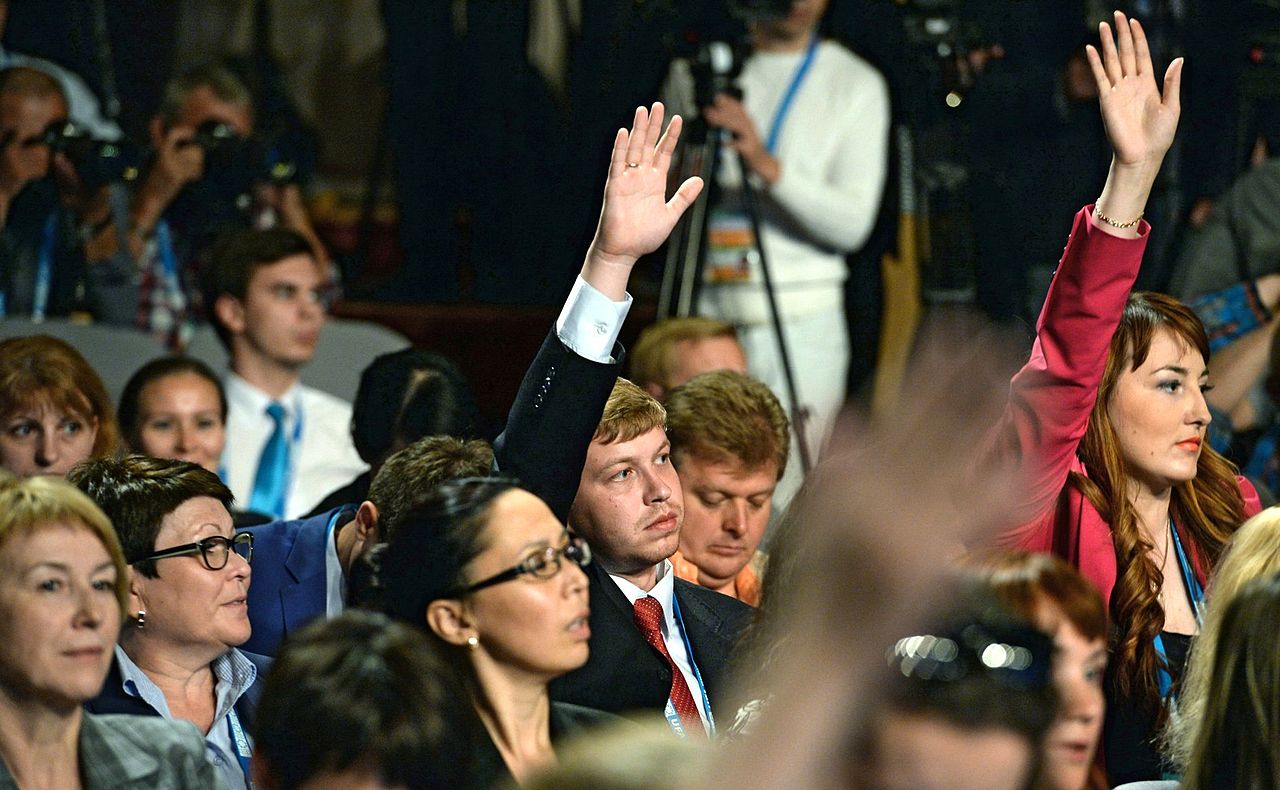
[{"x": 799, "y": 417}]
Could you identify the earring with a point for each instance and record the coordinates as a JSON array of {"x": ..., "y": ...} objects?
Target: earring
[
  {"x": 473, "y": 641},
  {"x": 141, "y": 620}
]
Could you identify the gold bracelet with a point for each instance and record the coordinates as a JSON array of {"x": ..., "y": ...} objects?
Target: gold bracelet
[{"x": 1121, "y": 225}]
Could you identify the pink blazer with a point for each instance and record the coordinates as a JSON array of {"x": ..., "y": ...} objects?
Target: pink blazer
[{"x": 1052, "y": 395}]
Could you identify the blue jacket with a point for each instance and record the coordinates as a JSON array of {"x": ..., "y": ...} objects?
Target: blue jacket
[{"x": 288, "y": 586}]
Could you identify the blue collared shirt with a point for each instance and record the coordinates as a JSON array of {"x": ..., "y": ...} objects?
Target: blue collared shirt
[{"x": 233, "y": 675}]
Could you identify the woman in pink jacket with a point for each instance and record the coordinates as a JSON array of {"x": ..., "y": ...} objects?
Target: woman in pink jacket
[{"x": 1109, "y": 418}]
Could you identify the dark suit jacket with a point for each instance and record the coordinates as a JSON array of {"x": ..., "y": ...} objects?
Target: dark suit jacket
[
  {"x": 545, "y": 446},
  {"x": 551, "y": 423},
  {"x": 625, "y": 674},
  {"x": 288, "y": 586}
]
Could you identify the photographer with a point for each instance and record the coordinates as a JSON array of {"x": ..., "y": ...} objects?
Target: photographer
[
  {"x": 812, "y": 129},
  {"x": 207, "y": 175},
  {"x": 40, "y": 255}
]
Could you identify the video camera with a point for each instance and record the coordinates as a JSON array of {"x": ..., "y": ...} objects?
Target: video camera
[{"x": 716, "y": 45}]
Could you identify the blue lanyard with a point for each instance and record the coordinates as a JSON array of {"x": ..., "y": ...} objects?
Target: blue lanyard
[
  {"x": 44, "y": 268},
  {"x": 240, "y": 742},
  {"x": 168, "y": 258},
  {"x": 1195, "y": 593},
  {"x": 775, "y": 127},
  {"x": 673, "y": 718}
]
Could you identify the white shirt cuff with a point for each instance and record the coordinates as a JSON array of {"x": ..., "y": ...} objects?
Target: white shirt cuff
[{"x": 590, "y": 322}]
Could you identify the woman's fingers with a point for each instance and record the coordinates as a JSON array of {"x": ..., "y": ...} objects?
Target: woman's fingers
[
  {"x": 1128, "y": 60},
  {"x": 1110, "y": 58},
  {"x": 1099, "y": 72},
  {"x": 685, "y": 195},
  {"x": 1141, "y": 50}
]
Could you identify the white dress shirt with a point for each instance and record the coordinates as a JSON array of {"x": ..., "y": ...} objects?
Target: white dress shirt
[
  {"x": 590, "y": 322},
  {"x": 665, "y": 591},
  {"x": 321, "y": 455}
]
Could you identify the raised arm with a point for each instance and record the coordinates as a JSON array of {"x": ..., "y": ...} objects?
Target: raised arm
[
  {"x": 1052, "y": 396},
  {"x": 563, "y": 393},
  {"x": 1139, "y": 119}
]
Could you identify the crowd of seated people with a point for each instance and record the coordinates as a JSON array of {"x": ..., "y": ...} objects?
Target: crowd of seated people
[{"x": 1054, "y": 582}]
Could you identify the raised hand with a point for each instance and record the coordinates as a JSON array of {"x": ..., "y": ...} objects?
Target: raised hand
[
  {"x": 637, "y": 217},
  {"x": 1140, "y": 122}
]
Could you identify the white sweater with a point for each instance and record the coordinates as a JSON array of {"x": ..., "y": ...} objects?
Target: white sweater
[{"x": 833, "y": 150}]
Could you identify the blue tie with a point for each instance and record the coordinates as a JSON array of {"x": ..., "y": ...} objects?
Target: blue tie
[{"x": 273, "y": 468}]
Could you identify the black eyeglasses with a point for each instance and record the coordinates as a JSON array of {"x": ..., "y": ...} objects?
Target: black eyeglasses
[
  {"x": 214, "y": 550},
  {"x": 543, "y": 565}
]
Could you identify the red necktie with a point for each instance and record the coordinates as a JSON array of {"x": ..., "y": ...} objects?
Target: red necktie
[{"x": 648, "y": 618}]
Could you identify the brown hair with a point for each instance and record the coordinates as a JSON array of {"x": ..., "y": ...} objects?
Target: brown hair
[
  {"x": 43, "y": 367},
  {"x": 1206, "y": 509},
  {"x": 652, "y": 356},
  {"x": 629, "y": 412},
  {"x": 725, "y": 415},
  {"x": 1026, "y": 580},
  {"x": 409, "y": 475},
  {"x": 237, "y": 256}
]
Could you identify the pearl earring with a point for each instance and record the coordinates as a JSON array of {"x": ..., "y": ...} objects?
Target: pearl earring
[
  {"x": 141, "y": 620},
  {"x": 473, "y": 641}
]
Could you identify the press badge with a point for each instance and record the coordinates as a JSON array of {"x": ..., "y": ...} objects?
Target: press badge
[{"x": 731, "y": 247}]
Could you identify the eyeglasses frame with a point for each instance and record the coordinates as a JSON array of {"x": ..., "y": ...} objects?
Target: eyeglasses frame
[
  {"x": 199, "y": 547},
  {"x": 575, "y": 545}
]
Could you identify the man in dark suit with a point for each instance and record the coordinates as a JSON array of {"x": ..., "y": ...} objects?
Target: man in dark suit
[
  {"x": 630, "y": 508},
  {"x": 627, "y": 503},
  {"x": 657, "y": 643}
]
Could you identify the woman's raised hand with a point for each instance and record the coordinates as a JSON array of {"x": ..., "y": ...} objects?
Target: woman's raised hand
[
  {"x": 637, "y": 217},
  {"x": 1140, "y": 121}
]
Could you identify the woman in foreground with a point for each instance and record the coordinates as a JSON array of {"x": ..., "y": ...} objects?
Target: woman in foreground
[{"x": 62, "y": 592}]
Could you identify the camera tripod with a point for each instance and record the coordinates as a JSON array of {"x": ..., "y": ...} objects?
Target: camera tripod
[{"x": 683, "y": 273}]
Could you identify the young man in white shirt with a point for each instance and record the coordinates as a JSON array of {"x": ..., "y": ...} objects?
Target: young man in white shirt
[{"x": 288, "y": 444}]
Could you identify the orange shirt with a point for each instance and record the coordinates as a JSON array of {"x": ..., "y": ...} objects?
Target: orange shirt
[{"x": 746, "y": 585}]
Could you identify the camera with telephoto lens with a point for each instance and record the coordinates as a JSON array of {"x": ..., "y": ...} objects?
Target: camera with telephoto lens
[
  {"x": 96, "y": 162},
  {"x": 246, "y": 159}
]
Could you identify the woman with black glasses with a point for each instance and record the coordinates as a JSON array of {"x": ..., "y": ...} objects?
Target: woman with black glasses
[
  {"x": 188, "y": 579},
  {"x": 485, "y": 568}
]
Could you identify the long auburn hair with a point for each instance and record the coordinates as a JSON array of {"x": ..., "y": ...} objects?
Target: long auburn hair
[{"x": 1206, "y": 509}]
